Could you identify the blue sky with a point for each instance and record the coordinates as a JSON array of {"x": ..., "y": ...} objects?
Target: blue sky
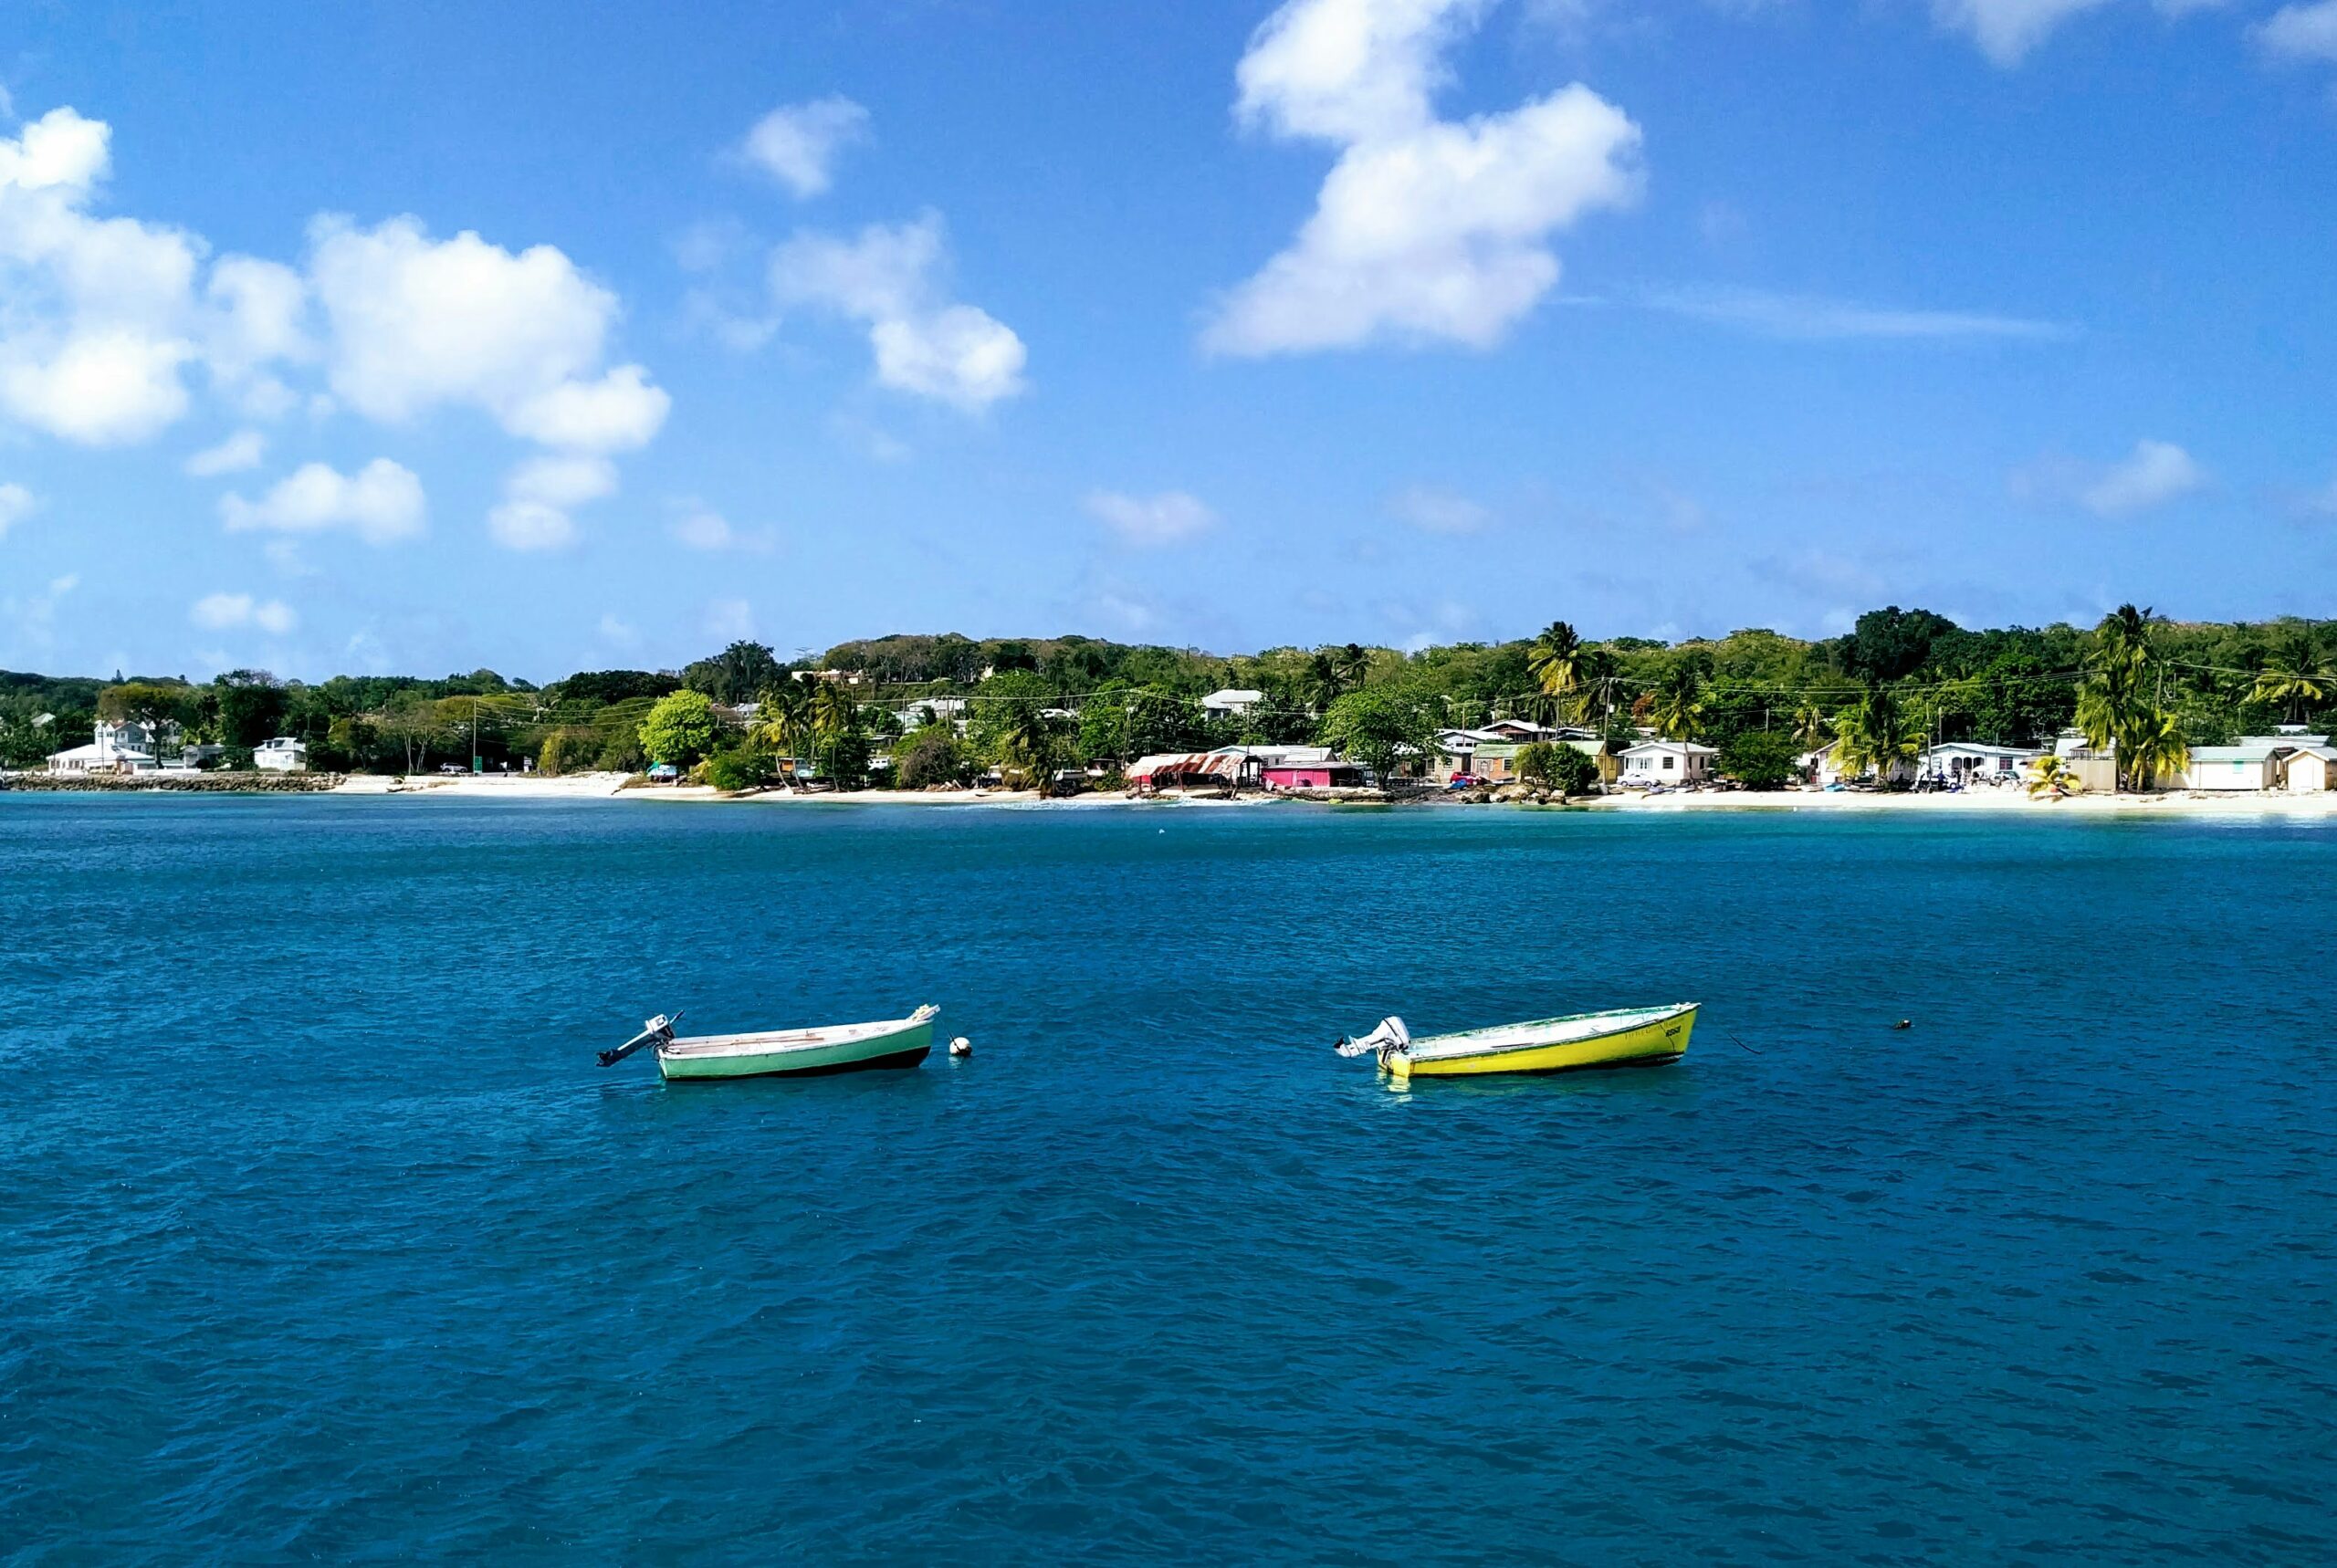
[{"x": 422, "y": 336}]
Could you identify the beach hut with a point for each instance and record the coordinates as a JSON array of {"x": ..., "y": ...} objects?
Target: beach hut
[
  {"x": 2310, "y": 770},
  {"x": 1970, "y": 762},
  {"x": 2250, "y": 765},
  {"x": 1187, "y": 770}
]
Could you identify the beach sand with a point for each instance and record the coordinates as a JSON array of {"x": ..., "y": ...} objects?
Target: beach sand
[{"x": 2236, "y": 806}]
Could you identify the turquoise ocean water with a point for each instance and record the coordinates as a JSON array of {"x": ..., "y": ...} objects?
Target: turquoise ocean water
[{"x": 322, "y": 1238}]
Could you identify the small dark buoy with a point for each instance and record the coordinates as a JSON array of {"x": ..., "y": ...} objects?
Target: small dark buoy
[
  {"x": 1904, "y": 1023},
  {"x": 962, "y": 1046}
]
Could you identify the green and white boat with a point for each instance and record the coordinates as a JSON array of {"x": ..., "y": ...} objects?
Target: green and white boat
[{"x": 798, "y": 1052}]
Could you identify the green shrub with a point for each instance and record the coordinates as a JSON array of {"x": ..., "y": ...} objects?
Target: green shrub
[
  {"x": 1562, "y": 768},
  {"x": 933, "y": 755},
  {"x": 566, "y": 750},
  {"x": 1760, "y": 759},
  {"x": 732, "y": 771}
]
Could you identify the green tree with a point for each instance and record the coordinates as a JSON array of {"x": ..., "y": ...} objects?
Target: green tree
[
  {"x": 933, "y": 755},
  {"x": 741, "y": 768},
  {"x": 1760, "y": 759},
  {"x": 1556, "y": 663},
  {"x": 1679, "y": 700},
  {"x": 735, "y": 674},
  {"x": 2294, "y": 680},
  {"x": 1558, "y": 764},
  {"x": 2119, "y": 703},
  {"x": 783, "y": 723},
  {"x": 1874, "y": 736},
  {"x": 1379, "y": 728},
  {"x": 680, "y": 729},
  {"x": 2049, "y": 775}
]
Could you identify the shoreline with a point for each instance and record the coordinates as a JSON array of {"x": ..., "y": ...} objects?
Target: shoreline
[{"x": 2192, "y": 805}]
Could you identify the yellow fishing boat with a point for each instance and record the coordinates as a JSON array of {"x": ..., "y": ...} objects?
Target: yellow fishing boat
[{"x": 1626, "y": 1037}]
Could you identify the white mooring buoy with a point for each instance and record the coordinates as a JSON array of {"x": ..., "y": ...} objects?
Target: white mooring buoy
[{"x": 962, "y": 1046}]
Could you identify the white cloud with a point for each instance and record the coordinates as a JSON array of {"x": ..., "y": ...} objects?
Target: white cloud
[
  {"x": 1147, "y": 521},
  {"x": 538, "y": 497},
  {"x": 1435, "y": 511},
  {"x": 105, "y": 317},
  {"x": 1808, "y": 318},
  {"x": 730, "y": 620},
  {"x": 2305, "y": 32},
  {"x": 561, "y": 481},
  {"x": 417, "y": 322},
  {"x": 2155, "y": 473},
  {"x": 705, "y": 530},
  {"x": 231, "y": 612},
  {"x": 618, "y": 631},
  {"x": 531, "y": 526},
  {"x": 382, "y": 503},
  {"x": 243, "y": 450},
  {"x": 102, "y": 386},
  {"x": 2006, "y": 30},
  {"x": 16, "y": 503},
  {"x": 891, "y": 278},
  {"x": 32, "y": 619},
  {"x": 1425, "y": 229},
  {"x": 797, "y": 144}
]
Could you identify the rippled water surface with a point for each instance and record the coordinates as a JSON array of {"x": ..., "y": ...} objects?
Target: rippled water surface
[{"x": 322, "y": 1238}]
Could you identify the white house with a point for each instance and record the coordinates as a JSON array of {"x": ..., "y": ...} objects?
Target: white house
[
  {"x": 282, "y": 755},
  {"x": 1969, "y": 762},
  {"x": 1233, "y": 700},
  {"x": 1667, "y": 762},
  {"x": 2261, "y": 762},
  {"x": 122, "y": 745},
  {"x": 2310, "y": 770}
]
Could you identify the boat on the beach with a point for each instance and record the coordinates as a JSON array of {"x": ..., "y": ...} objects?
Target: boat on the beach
[
  {"x": 1625, "y": 1037},
  {"x": 797, "y": 1053}
]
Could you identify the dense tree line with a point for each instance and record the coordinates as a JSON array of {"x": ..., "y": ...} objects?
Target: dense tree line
[{"x": 946, "y": 707}]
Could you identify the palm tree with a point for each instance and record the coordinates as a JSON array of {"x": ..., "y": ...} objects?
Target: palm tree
[
  {"x": 1595, "y": 673},
  {"x": 2294, "y": 679},
  {"x": 1874, "y": 736},
  {"x": 2049, "y": 775},
  {"x": 1556, "y": 660},
  {"x": 1033, "y": 743},
  {"x": 2154, "y": 744},
  {"x": 1354, "y": 665},
  {"x": 784, "y": 721},
  {"x": 1678, "y": 701},
  {"x": 2117, "y": 707},
  {"x": 834, "y": 718},
  {"x": 1322, "y": 681},
  {"x": 1809, "y": 726}
]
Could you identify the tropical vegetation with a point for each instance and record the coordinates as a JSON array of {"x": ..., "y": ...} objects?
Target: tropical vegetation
[{"x": 947, "y": 708}]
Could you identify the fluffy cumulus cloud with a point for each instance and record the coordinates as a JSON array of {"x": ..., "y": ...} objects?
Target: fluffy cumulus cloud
[
  {"x": 16, "y": 503},
  {"x": 797, "y": 144},
  {"x": 1426, "y": 229},
  {"x": 416, "y": 323},
  {"x": 381, "y": 503},
  {"x": 892, "y": 278},
  {"x": 108, "y": 324},
  {"x": 237, "y": 611},
  {"x": 2304, "y": 32},
  {"x": 1171, "y": 517}
]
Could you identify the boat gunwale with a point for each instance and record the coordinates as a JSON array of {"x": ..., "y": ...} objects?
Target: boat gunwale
[
  {"x": 785, "y": 1042},
  {"x": 1639, "y": 1018}
]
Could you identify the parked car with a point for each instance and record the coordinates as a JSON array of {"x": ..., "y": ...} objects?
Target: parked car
[{"x": 665, "y": 773}]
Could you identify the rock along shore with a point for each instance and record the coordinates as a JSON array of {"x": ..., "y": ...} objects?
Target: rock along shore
[{"x": 185, "y": 784}]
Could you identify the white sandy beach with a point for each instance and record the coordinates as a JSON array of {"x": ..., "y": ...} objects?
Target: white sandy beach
[{"x": 2235, "y": 806}]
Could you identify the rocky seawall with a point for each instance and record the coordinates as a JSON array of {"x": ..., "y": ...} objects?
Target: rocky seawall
[{"x": 185, "y": 784}]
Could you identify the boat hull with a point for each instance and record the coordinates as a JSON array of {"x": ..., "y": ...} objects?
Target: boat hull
[
  {"x": 1649, "y": 1042},
  {"x": 903, "y": 1048}
]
